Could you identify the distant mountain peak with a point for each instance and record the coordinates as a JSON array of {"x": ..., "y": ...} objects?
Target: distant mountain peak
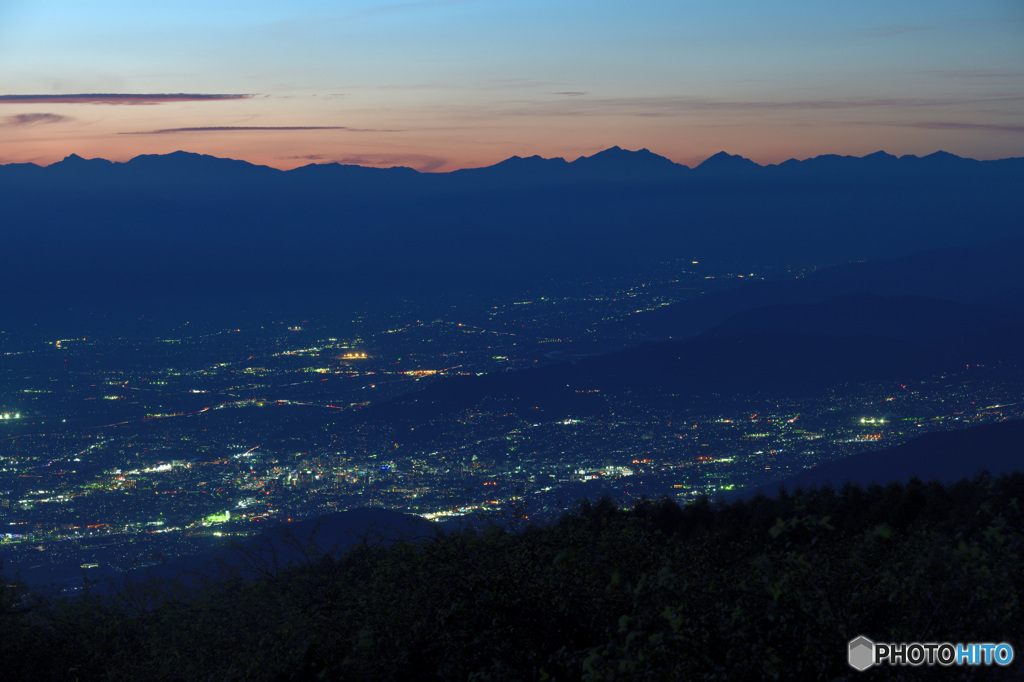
[
  {"x": 618, "y": 153},
  {"x": 197, "y": 166},
  {"x": 181, "y": 156},
  {"x": 618, "y": 163},
  {"x": 723, "y": 161},
  {"x": 74, "y": 160},
  {"x": 535, "y": 158},
  {"x": 942, "y": 159},
  {"x": 527, "y": 162}
]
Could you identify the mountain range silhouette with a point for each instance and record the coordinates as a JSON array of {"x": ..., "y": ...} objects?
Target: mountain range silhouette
[{"x": 191, "y": 230}]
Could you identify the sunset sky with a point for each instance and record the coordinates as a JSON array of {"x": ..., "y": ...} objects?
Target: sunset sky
[{"x": 445, "y": 84}]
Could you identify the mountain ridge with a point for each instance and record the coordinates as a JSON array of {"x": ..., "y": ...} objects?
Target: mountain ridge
[
  {"x": 193, "y": 228},
  {"x": 720, "y": 161}
]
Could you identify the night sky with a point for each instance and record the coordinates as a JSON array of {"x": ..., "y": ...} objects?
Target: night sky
[{"x": 446, "y": 84}]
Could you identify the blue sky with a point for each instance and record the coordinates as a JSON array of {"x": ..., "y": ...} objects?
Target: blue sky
[{"x": 445, "y": 84}]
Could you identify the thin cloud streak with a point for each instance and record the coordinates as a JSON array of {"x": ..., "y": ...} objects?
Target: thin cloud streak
[
  {"x": 673, "y": 106},
  {"x": 950, "y": 125},
  {"x": 224, "y": 129},
  {"x": 974, "y": 74},
  {"x": 305, "y": 157},
  {"x": 20, "y": 120},
  {"x": 116, "y": 98}
]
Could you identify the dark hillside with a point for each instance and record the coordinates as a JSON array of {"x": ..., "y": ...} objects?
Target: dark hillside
[{"x": 761, "y": 589}]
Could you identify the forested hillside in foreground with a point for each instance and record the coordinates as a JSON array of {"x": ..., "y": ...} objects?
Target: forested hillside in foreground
[{"x": 758, "y": 589}]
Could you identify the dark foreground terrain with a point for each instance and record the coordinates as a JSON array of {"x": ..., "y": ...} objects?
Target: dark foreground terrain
[{"x": 757, "y": 589}]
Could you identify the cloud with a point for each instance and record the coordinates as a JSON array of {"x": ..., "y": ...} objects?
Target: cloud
[
  {"x": 32, "y": 119},
  {"x": 570, "y": 93},
  {"x": 487, "y": 84},
  {"x": 669, "y": 106},
  {"x": 119, "y": 98},
  {"x": 974, "y": 74},
  {"x": 951, "y": 125},
  {"x": 414, "y": 86},
  {"x": 227, "y": 129},
  {"x": 304, "y": 157},
  {"x": 694, "y": 103}
]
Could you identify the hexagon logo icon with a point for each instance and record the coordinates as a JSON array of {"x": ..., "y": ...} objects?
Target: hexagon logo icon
[{"x": 862, "y": 653}]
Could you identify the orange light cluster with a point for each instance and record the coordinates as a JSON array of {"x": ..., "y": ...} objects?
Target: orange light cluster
[{"x": 421, "y": 372}]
